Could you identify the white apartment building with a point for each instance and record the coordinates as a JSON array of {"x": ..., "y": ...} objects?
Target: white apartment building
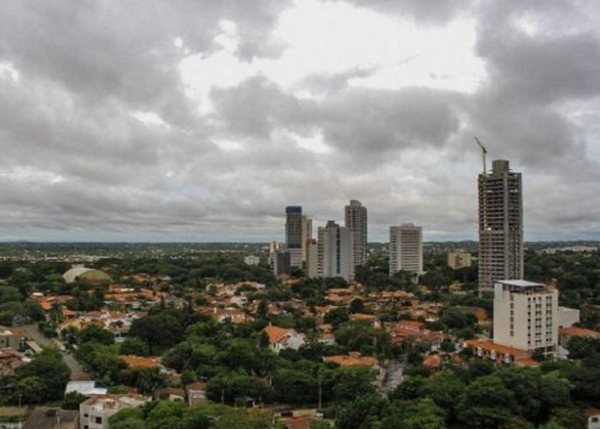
[
  {"x": 335, "y": 252},
  {"x": 526, "y": 316},
  {"x": 406, "y": 248},
  {"x": 95, "y": 411}
]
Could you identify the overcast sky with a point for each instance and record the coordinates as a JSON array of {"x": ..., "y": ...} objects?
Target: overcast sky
[{"x": 148, "y": 120}]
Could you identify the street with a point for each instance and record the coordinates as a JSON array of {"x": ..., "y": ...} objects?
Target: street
[{"x": 77, "y": 373}]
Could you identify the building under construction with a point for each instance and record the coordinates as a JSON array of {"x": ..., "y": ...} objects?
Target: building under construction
[{"x": 500, "y": 226}]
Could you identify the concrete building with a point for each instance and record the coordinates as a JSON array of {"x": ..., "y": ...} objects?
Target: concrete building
[
  {"x": 306, "y": 236},
  {"x": 335, "y": 252},
  {"x": 79, "y": 272},
  {"x": 293, "y": 234},
  {"x": 44, "y": 417},
  {"x": 526, "y": 316},
  {"x": 500, "y": 226},
  {"x": 252, "y": 260},
  {"x": 312, "y": 259},
  {"x": 459, "y": 259},
  {"x": 196, "y": 393},
  {"x": 406, "y": 248},
  {"x": 282, "y": 263},
  {"x": 356, "y": 222},
  {"x": 12, "y": 338},
  {"x": 282, "y": 338},
  {"x": 568, "y": 317},
  {"x": 95, "y": 411}
]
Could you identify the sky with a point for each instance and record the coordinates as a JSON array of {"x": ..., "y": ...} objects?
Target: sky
[{"x": 200, "y": 120}]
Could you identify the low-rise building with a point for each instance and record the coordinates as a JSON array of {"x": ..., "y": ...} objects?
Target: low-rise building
[
  {"x": 593, "y": 418},
  {"x": 95, "y": 411},
  {"x": 86, "y": 388},
  {"x": 252, "y": 260},
  {"x": 196, "y": 393},
  {"x": 567, "y": 317},
  {"x": 52, "y": 418},
  {"x": 282, "y": 338},
  {"x": 565, "y": 335}
]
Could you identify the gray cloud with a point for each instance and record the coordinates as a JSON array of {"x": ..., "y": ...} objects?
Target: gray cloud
[{"x": 77, "y": 164}]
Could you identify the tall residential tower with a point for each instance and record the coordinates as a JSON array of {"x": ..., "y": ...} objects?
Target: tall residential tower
[
  {"x": 356, "y": 222},
  {"x": 335, "y": 252},
  {"x": 406, "y": 248},
  {"x": 293, "y": 234},
  {"x": 500, "y": 226}
]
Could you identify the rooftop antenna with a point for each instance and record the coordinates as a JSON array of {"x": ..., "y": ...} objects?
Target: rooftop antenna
[{"x": 484, "y": 153}]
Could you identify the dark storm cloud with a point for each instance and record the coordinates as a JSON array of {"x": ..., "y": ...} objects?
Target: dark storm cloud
[
  {"x": 363, "y": 121},
  {"x": 378, "y": 121}
]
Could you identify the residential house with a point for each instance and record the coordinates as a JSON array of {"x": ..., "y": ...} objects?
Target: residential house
[
  {"x": 196, "y": 393},
  {"x": 52, "y": 418},
  {"x": 565, "y": 335},
  {"x": 95, "y": 411},
  {"x": 282, "y": 338},
  {"x": 593, "y": 418}
]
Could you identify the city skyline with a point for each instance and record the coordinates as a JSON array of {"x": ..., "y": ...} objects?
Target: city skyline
[{"x": 198, "y": 122}]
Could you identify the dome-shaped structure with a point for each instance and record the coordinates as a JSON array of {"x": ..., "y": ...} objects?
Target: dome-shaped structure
[{"x": 89, "y": 274}]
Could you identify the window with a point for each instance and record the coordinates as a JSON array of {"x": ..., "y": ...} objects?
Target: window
[{"x": 99, "y": 420}]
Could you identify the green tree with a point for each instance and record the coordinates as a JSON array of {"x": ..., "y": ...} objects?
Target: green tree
[
  {"x": 443, "y": 388},
  {"x": 362, "y": 412},
  {"x": 96, "y": 334},
  {"x": 134, "y": 346},
  {"x": 51, "y": 370},
  {"x": 72, "y": 400},
  {"x": 421, "y": 414},
  {"x": 486, "y": 403}
]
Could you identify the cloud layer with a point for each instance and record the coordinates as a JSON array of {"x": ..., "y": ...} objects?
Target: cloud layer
[{"x": 202, "y": 120}]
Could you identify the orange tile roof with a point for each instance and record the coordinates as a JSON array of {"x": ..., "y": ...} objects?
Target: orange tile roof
[
  {"x": 411, "y": 324},
  {"x": 298, "y": 423},
  {"x": 492, "y": 347},
  {"x": 362, "y": 316},
  {"x": 276, "y": 334},
  {"x": 432, "y": 361},
  {"x": 350, "y": 360},
  {"x": 574, "y": 331},
  {"x": 140, "y": 361},
  {"x": 592, "y": 412},
  {"x": 527, "y": 362}
]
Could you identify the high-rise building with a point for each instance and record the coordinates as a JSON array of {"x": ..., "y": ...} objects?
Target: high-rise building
[
  {"x": 526, "y": 316},
  {"x": 312, "y": 259},
  {"x": 406, "y": 248},
  {"x": 281, "y": 263},
  {"x": 293, "y": 234},
  {"x": 335, "y": 252},
  {"x": 500, "y": 226},
  {"x": 306, "y": 236},
  {"x": 356, "y": 222}
]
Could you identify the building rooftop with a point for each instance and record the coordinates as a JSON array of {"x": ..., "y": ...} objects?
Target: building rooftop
[{"x": 521, "y": 283}]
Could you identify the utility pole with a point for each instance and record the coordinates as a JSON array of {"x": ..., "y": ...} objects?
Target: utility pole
[{"x": 320, "y": 394}]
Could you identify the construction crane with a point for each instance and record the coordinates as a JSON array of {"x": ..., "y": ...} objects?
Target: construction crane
[{"x": 484, "y": 153}]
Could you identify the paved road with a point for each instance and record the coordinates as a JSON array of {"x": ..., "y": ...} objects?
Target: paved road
[
  {"x": 393, "y": 377},
  {"x": 77, "y": 373}
]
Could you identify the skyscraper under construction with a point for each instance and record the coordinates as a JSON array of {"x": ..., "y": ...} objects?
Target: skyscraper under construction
[{"x": 500, "y": 226}]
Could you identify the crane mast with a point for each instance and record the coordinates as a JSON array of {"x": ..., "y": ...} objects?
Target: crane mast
[{"x": 483, "y": 153}]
